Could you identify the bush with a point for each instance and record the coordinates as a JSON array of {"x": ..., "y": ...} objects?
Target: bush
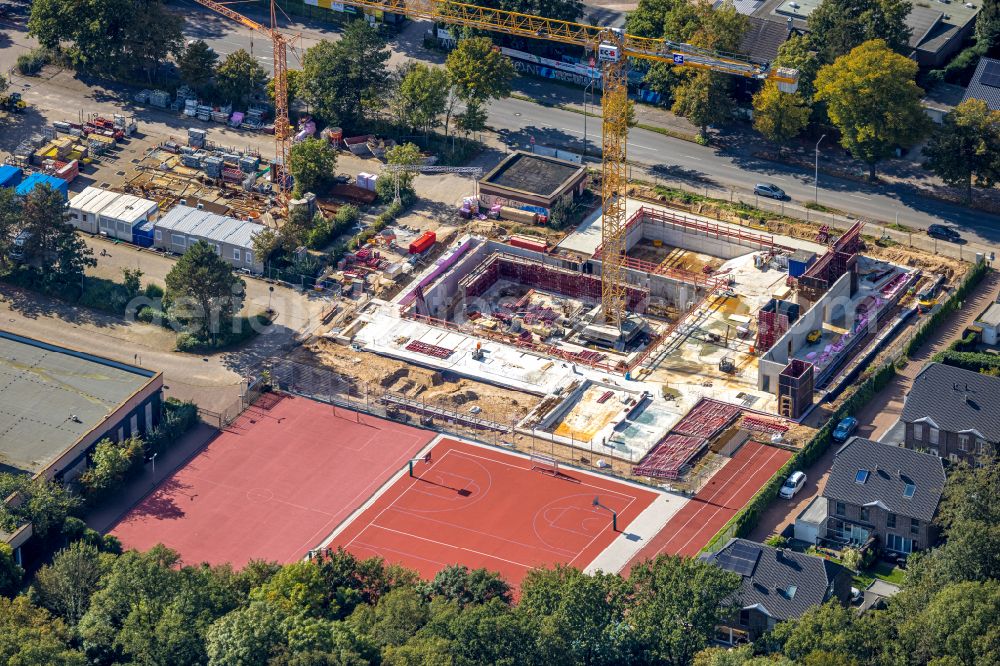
[
  {"x": 776, "y": 541},
  {"x": 974, "y": 361},
  {"x": 243, "y": 329},
  {"x": 153, "y": 291},
  {"x": 111, "y": 464},
  {"x": 31, "y": 63},
  {"x": 176, "y": 419}
]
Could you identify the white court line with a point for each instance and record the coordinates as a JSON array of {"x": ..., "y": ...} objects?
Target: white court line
[
  {"x": 743, "y": 485},
  {"x": 451, "y": 545},
  {"x": 859, "y": 196},
  {"x": 691, "y": 157}
]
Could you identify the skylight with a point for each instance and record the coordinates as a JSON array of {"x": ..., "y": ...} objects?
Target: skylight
[
  {"x": 908, "y": 490},
  {"x": 861, "y": 476},
  {"x": 789, "y": 592}
]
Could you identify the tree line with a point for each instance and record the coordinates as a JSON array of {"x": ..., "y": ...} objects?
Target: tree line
[{"x": 94, "y": 604}]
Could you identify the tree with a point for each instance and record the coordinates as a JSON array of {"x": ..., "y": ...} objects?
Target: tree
[
  {"x": 779, "y": 116},
  {"x": 65, "y": 586},
  {"x": 676, "y": 604},
  {"x": 10, "y": 223},
  {"x": 988, "y": 26},
  {"x": 406, "y": 154},
  {"x": 197, "y": 64},
  {"x": 457, "y": 583},
  {"x": 340, "y": 78},
  {"x": 838, "y": 26},
  {"x": 959, "y": 623},
  {"x": 873, "y": 100},
  {"x": 10, "y": 571},
  {"x": 312, "y": 163},
  {"x": 478, "y": 72},
  {"x": 264, "y": 243},
  {"x": 53, "y": 245},
  {"x": 29, "y": 636},
  {"x": 703, "y": 98},
  {"x": 239, "y": 77},
  {"x": 108, "y": 37},
  {"x": 45, "y": 504},
  {"x": 829, "y": 628},
  {"x": 799, "y": 53},
  {"x": 203, "y": 289},
  {"x": 473, "y": 119},
  {"x": 110, "y": 464},
  {"x": 132, "y": 281},
  {"x": 965, "y": 149},
  {"x": 294, "y": 87},
  {"x": 421, "y": 96}
]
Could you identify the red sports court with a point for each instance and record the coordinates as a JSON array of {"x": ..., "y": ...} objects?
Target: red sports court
[
  {"x": 713, "y": 506},
  {"x": 273, "y": 485},
  {"x": 483, "y": 507}
]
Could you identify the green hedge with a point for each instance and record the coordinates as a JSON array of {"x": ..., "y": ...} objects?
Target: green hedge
[
  {"x": 974, "y": 361},
  {"x": 746, "y": 519},
  {"x": 187, "y": 342}
]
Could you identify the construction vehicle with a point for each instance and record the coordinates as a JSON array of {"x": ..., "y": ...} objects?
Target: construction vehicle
[
  {"x": 612, "y": 48},
  {"x": 13, "y": 103},
  {"x": 727, "y": 365}
]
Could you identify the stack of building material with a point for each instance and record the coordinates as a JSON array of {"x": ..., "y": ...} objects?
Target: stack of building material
[
  {"x": 191, "y": 108},
  {"x": 196, "y": 137},
  {"x": 249, "y": 163},
  {"x": 128, "y": 126},
  {"x": 36, "y": 179},
  {"x": 203, "y": 112},
  {"x": 159, "y": 99},
  {"x": 254, "y": 119},
  {"x": 99, "y": 144},
  {"x": 367, "y": 181},
  {"x": 142, "y": 97},
  {"x": 191, "y": 160},
  {"x": 358, "y": 145},
  {"x": 236, "y": 119},
  {"x": 213, "y": 166},
  {"x": 220, "y": 116},
  {"x": 231, "y": 174}
]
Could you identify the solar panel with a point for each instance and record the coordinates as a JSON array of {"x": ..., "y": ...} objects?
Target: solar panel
[
  {"x": 991, "y": 75},
  {"x": 740, "y": 558}
]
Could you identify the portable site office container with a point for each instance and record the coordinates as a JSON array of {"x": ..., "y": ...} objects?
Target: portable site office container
[
  {"x": 184, "y": 226},
  {"x": 34, "y": 180},
  {"x": 109, "y": 213}
]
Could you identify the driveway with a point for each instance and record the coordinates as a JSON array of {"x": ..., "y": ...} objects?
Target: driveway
[{"x": 882, "y": 412}]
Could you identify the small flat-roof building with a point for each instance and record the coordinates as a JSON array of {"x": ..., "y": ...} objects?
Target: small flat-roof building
[
  {"x": 113, "y": 214},
  {"x": 989, "y": 321},
  {"x": 183, "y": 226},
  {"x": 57, "y": 403},
  {"x": 531, "y": 182}
]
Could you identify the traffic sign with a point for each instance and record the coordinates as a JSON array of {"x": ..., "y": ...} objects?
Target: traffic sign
[{"x": 678, "y": 59}]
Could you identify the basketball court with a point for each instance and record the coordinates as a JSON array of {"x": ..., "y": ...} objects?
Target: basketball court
[
  {"x": 273, "y": 484},
  {"x": 481, "y": 507},
  {"x": 729, "y": 490}
]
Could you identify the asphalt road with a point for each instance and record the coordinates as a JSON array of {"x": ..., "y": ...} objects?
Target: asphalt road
[{"x": 663, "y": 157}]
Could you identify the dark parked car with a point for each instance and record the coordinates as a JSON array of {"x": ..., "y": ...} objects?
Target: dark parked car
[
  {"x": 943, "y": 232},
  {"x": 845, "y": 429},
  {"x": 769, "y": 190}
]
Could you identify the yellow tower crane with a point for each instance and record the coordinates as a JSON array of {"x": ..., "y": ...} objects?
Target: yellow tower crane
[
  {"x": 612, "y": 47},
  {"x": 282, "y": 130}
]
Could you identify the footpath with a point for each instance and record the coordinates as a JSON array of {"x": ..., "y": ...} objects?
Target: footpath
[{"x": 883, "y": 410}]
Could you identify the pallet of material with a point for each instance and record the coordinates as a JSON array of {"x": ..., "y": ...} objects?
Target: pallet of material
[{"x": 430, "y": 350}]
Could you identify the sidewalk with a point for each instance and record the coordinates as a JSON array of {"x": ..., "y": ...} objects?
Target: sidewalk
[
  {"x": 882, "y": 411},
  {"x": 105, "y": 517}
]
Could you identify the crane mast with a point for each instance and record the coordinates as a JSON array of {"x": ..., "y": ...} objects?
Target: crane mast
[{"x": 612, "y": 47}]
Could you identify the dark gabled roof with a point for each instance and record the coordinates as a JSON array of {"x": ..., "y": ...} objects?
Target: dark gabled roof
[
  {"x": 977, "y": 87},
  {"x": 890, "y": 469},
  {"x": 955, "y": 399},
  {"x": 762, "y": 38},
  {"x": 774, "y": 573}
]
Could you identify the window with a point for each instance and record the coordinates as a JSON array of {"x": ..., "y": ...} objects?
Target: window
[
  {"x": 935, "y": 434},
  {"x": 890, "y": 520},
  {"x": 964, "y": 441},
  {"x": 914, "y": 526},
  {"x": 908, "y": 490},
  {"x": 744, "y": 618},
  {"x": 236, "y": 254},
  {"x": 77, "y": 217},
  {"x": 861, "y": 476},
  {"x": 918, "y": 431},
  {"x": 789, "y": 592},
  {"x": 980, "y": 445},
  {"x": 249, "y": 256},
  {"x": 159, "y": 235},
  {"x": 865, "y": 514},
  {"x": 898, "y": 544},
  {"x": 177, "y": 239},
  {"x": 840, "y": 509}
]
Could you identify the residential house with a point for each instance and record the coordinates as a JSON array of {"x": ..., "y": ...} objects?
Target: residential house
[
  {"x": 884, "y": 492},
  {"x": 953, "y": 413},
  {"x": 184, "y": 226},
  {"x": 985, "y": 83},
  {"x": 778, "y": 584}
]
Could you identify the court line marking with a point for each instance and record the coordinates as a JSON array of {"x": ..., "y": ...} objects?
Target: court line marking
[
  {"x": 750, "y": 478},
  {"x": 453, "y": 546}
]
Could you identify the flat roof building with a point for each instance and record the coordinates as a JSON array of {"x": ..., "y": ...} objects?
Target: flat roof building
[
  {"x": 183, "y": 226},
  {"x": 56, "y": 404},
  {"x": 532, "y": 182},
  {"x": 113, "y": 214}
]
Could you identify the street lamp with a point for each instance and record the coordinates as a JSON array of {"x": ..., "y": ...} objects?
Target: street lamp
[{"x": 816, "y": 178}]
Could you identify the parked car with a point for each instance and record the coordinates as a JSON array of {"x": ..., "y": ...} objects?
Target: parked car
[
  {"x": 769, "y": 190},
  {"x": 792, "y": 485},
  {"x": 944, "y": 233},
  {"x": 845, "y": 429}
]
